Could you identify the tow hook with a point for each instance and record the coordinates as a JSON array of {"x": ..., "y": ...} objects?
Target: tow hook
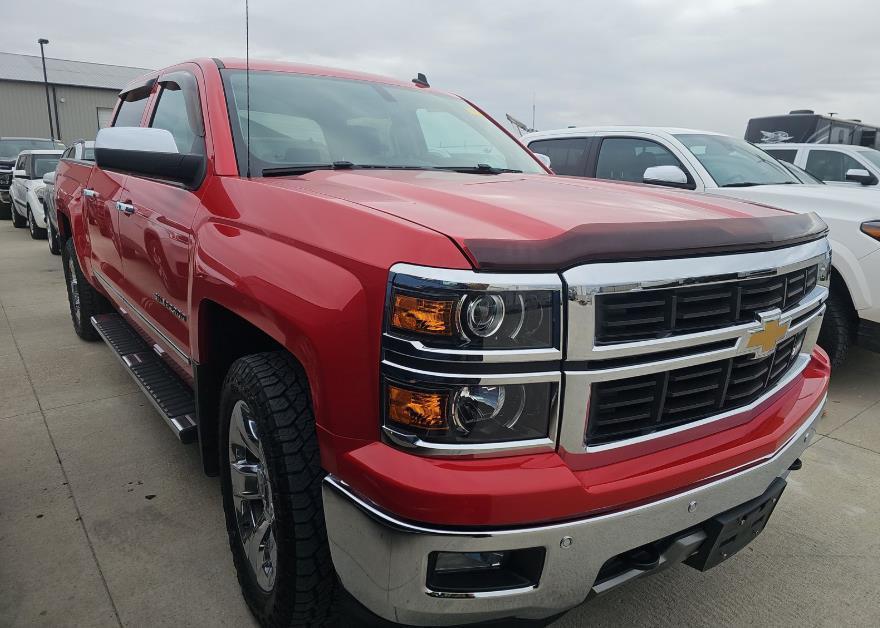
[{"x": 796, "y": 465}]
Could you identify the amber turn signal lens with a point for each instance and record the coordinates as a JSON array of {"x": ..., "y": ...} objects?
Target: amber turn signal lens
[
  {"x": 425, "y": 316},
  {"x": 872, "y": 229},
  {"x": 420, "y": 409}
]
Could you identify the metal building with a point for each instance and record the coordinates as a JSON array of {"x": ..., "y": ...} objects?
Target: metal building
[{"x": 81, "y": 96}]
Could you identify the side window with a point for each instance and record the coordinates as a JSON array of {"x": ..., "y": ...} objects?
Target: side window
[
  {"x": 626, "y": 159},
  {"x": 830, "y": 165},
  {"x": 131, "y": 109},
  {"x": 567, "y": 156},
  {"x": 783, "y": 154},
  {"x": 179, "y": 112},
  {"x": 19, "y": 163}
]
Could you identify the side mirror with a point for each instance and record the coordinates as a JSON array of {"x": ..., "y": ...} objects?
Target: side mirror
[
  {"x": 543, "y": 158},
  {"x": 19, "y": 174},
  {"x": 669, "y": 176},
  {"x": 49, "y": 178},
  {"x": 860, "y": 175},
  {"x": 147, "y": 152}
]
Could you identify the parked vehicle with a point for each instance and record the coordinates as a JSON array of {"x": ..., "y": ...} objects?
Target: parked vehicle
[
  {"x": 364, "y": 315},
  {"x": 835, "y": 164},
  {"x": 805, "y": 125},
  {"x": 27, "y": 189},
  {"x": 10, "y": 147},
  {"x": 80, "y": 150},
  {"x": 724, "y": 166}
]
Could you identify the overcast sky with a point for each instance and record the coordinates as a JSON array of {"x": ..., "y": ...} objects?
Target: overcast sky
[{"x": 706, "y": 64}]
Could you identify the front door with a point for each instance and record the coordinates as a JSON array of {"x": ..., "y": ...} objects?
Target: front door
[{"x": 156, "y": 225}]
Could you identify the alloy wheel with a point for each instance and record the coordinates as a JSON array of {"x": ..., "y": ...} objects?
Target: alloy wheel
[
  {"x": 73, "y": 286},
  {"x": 252, "y": 496}
]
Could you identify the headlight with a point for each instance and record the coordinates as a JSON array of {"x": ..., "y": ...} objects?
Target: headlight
[
  {"x": 471, "y": 360},
  {"x": 872, "y": 228},
  {"x": 445, "y": 314},
  {"x": 39, "y": 191},
  {"x": 470, "y": 414}
]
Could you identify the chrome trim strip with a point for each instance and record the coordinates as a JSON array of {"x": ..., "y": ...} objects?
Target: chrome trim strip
[
  {"x": 489, "y": 356},
  {"x": 408, "y": 373},
  {"x": 460, "y": 279},
  {"x": 383, "y": 560},
  {"x": 135, "y": 310},
  {"x": 477, "y": 450}
]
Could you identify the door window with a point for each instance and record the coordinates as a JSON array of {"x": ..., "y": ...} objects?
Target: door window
[
  {"x": 830, "y": 165},
  {"x": 783, "y": 154},
  {"x": 131, "y": 110},
  {"x": 626, "y": 159},
  {"x": 567, "y": 156},
  {"x": 179, "y": 112}
]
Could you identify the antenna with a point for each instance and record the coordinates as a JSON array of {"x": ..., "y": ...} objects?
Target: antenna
[{"x": 247, "y": 79}]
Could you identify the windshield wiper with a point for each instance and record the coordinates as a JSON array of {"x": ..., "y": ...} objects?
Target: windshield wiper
[
  {"x": 294, "y": 169},
  {"x": 478, "y": 169}
]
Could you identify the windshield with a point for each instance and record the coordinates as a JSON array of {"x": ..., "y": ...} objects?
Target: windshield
[
  {"x": 44, "y": 164},
  {"x": 10, "y": 148},
  {"x": 735, "y": 163},
  {"x": 871, "y": 155},
  {"x": 298, "y": 119}
]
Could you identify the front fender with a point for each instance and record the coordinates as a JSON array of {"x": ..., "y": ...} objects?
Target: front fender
[{"x": 851, "y": 271}]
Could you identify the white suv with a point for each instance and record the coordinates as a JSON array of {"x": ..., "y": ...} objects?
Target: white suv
[
  {"x": 835, "y": 164},
  {"x": 27, "y": 188},
  {"x": 725, "y": 166}
]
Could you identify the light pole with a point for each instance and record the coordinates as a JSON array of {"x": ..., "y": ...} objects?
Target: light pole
[{"x": 43, "y": 41}]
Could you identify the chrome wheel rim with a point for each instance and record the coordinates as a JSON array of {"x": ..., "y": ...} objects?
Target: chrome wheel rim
[
  {"x": 252, "y": 496},
  {"x": 72, "y": 286}
]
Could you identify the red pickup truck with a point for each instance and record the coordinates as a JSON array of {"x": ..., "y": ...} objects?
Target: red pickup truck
[{"x": 433, "y": 377}]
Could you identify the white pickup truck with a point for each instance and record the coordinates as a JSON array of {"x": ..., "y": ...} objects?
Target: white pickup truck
[{"x": 725, "y": 166}]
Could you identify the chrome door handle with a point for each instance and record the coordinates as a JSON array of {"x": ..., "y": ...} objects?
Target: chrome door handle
[
  {"x": 90, "y": 193},
  {"x": 126, "y": 208}
]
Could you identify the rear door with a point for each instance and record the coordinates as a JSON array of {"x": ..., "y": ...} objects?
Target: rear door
[
  {"x": 156, "y": 224},
  {"x": 100, "y": 197}
]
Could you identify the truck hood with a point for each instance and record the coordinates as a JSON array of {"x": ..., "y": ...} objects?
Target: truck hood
[
  {"x": 544, "y": 222},
  {"x": 829, "y": 201}
]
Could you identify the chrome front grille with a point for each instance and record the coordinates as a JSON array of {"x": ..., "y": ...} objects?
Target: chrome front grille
[
  {"x": 705, "y": 338},
  {"x": 675, "y": 311},
  {"x": 637, "y": 406}
]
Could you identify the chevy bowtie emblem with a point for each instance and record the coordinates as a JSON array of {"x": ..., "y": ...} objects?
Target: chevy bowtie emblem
[{"x": 767, "y": 338}]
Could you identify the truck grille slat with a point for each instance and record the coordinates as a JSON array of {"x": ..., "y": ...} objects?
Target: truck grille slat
[
  {"x": 627, "y": 408},
  {"x": 664, "y": 312}
]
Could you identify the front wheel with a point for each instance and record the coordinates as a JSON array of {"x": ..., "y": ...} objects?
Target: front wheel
[
  {"x": 838, "y": 327},
  {"x": 37, "y": 233},
  {"x": 54, "y": 240},
  {"x": 271, "y": 484},
  {"x": 84, "y": 300},
  {"x": 18, "y": 221}
]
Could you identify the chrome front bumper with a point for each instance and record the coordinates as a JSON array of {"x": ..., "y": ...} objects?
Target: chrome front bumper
[{"x": 383, "y": 561}]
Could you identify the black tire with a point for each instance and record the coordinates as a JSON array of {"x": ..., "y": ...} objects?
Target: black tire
[
  {"x": 18, "y": 221},
  {"x": 304, "y": 591},
  {"x": 54, "y": 240},
  {"x": 5, "y": 211},
  {"x": 84, "y": 300},
  {"x": 37, "y": 233},
  {"x": 838, "y": 328}
]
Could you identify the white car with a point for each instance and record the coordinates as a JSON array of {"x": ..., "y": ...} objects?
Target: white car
[
  {"x": 27, "y": 189},
  {"x": 835, "y": 164},
  {"x": 720, "y": 165}
]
